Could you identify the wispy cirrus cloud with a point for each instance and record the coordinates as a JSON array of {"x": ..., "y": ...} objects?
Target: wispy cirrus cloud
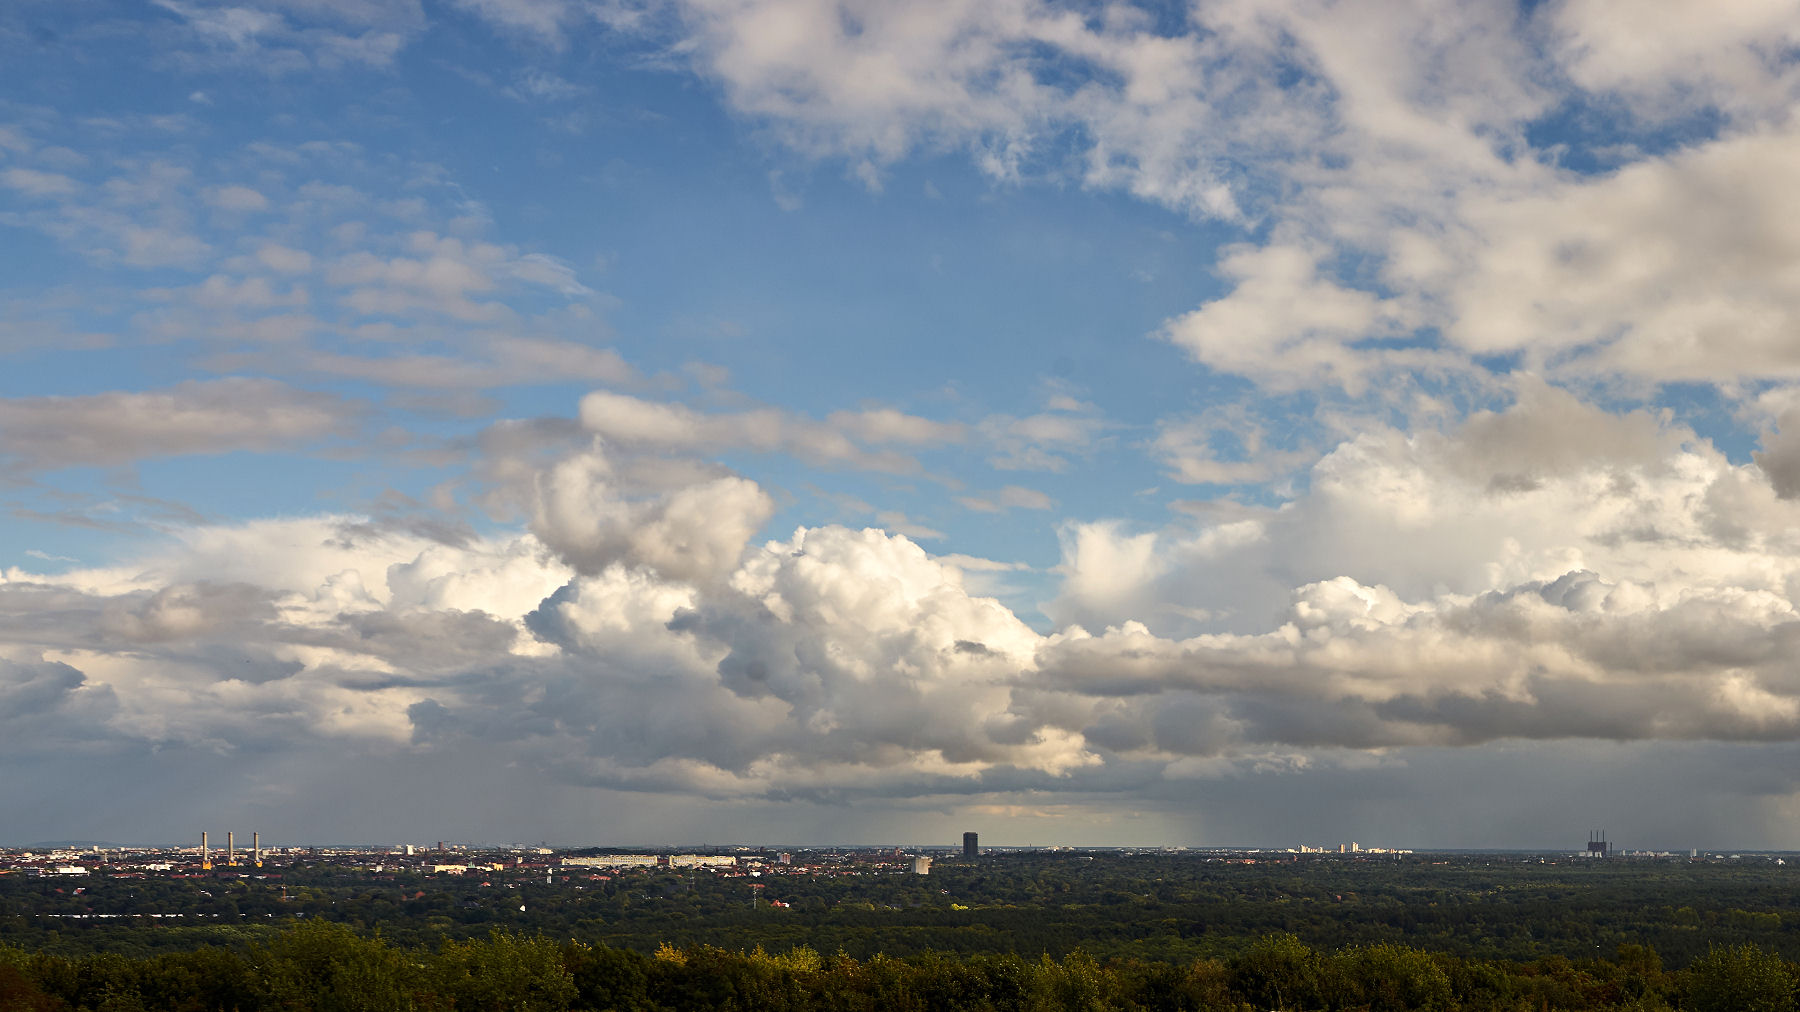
[
  {"x": 194, "y": 417},
  {"x": 658, "y": 425}
]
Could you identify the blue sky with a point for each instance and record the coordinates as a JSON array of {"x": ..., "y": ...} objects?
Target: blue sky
[
  {"x": 1189, "y": 416},
  {"x": 944, "y": 291}
]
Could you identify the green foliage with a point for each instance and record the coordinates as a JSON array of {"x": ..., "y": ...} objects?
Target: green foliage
[
  {"x": 318, "y": 966},
  {"x": 1279, "y": 972},
  {"x": 18, "y": 992},
  {"x": 1022, "y": 933},
  {"x": 1742, "y": 978},
  {"x": 608, "y": 979},
  {"x": 1392, "y": 978},
  {"x": 505, "y": 973},
  {"x": 1077, "y": 984},
  {"x": 1168, "y": 908}
]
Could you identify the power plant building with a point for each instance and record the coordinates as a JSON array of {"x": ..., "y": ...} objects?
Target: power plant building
[{"x": 971, "y": 845}]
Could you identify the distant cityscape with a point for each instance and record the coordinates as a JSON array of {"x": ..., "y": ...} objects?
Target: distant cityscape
[{"x": 551, "y": 863}]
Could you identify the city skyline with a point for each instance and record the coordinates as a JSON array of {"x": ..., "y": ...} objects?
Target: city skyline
[
  {"x": 650, "y": 854},
  {"x": 1109, "y": 424}
]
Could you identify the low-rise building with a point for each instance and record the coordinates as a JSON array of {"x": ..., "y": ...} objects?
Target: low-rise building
[
  {"x": 613, "y": 861},
  {"x": 702, "y": 861}
]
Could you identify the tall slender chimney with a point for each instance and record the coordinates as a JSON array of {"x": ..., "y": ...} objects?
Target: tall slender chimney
[
  {"x": 256, "y": 847},
  {"x": 230, "y": 847},
  {"x": 205, "y": 853}
]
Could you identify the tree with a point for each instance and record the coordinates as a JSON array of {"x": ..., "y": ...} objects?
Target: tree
[
  {"x": 1395, "y": 978},
  {"x": 1278, "y": 972},
  {"x": 325, "y": 967},
  {"x": 1740, "y": 979},
  {"x": 19, "y": 994},
  {"x": 504, "y": 973},
  {"x": 607, "y": 978},
  {"x": 1077, "y": 984}
]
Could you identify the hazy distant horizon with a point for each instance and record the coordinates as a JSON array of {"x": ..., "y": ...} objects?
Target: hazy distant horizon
[{"x": 424, "y": 848}]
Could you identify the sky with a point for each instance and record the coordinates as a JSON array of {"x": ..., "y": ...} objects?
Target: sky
[{"x": 639, "y": 422}]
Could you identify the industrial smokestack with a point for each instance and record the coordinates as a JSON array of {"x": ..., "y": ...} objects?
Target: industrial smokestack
[
  {"x": 256, "y": 848},
  {"x": 230, "y": 847},
  {"x": 205, "y": 852}
]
